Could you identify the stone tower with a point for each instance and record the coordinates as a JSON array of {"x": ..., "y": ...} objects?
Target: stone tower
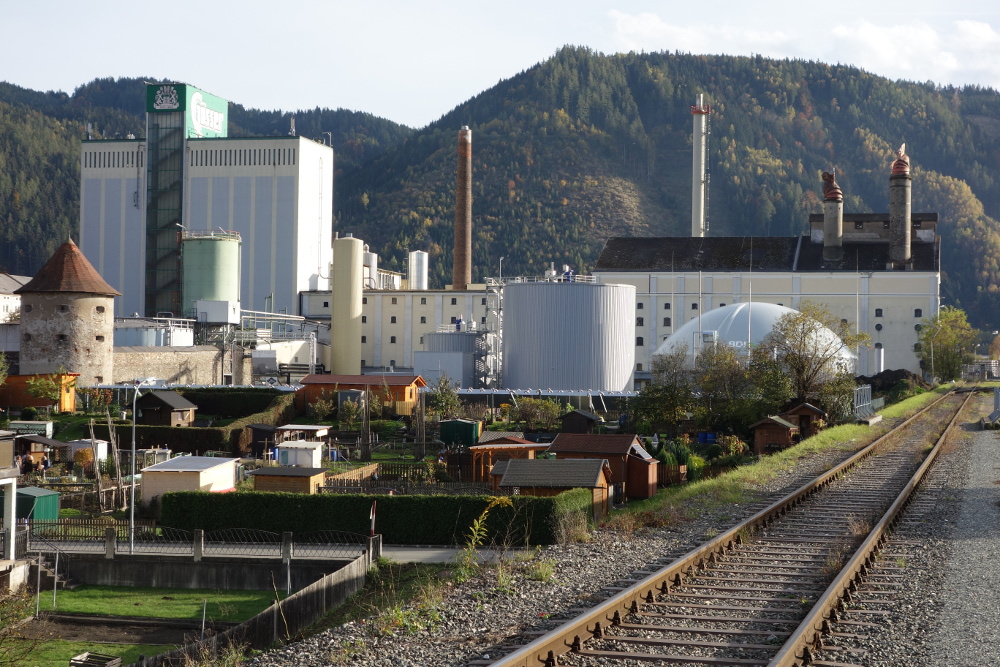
[{"x": 67, "y": 319}]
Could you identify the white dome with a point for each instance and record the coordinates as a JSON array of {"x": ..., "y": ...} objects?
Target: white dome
[{"x": 733, "y": 326}]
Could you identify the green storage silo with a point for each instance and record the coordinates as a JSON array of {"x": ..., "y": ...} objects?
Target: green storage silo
[
  {"x": 460, "y": 432},
  {"x": 210, "y": 267},
  {"x": 35, "y": 503}
]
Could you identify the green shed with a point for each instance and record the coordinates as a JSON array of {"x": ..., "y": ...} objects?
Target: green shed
[
  {"x": 35, "y": 503},
  {"x": 463, "y": 432}
]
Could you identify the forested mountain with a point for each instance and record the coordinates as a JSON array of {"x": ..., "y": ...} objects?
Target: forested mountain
[{"x": 585, "y": 146}]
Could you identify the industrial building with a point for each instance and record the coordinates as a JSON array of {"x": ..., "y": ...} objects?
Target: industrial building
[{"x": 143, "y": 200}]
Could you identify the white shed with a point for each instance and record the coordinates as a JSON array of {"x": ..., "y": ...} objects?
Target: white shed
[
  {"x": 73, "y": 446},
  {"x": 188, "y": 473},
  {"x": 301, "y": 453}
]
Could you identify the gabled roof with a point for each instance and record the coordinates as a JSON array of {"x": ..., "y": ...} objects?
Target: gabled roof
[
  {"x": 593, "y": 443},
  {"x": 508, "y": 444},
  {"x": 588, "y": 415},
  {"x": 172, "y": 399},
  {"x": 803, "y": 407},
  {"x": 557, "y": 473},
  {"x": 68, "y": 271},
  {"x": 9, "y": 283},
  {"x": 775, "y": 420},
  {"x": 369, "y": 380},
  {"x": 489, "y": 436}
]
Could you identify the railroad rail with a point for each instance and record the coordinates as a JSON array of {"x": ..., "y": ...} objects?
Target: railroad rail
[{"x": 777, "y": 589}]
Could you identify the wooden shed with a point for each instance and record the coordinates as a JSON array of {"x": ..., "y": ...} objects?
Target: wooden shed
[
  {"x": 485, "y": 456},
  {"x": 289, "y": 479},
  {"x": 550, "y": 477},
  {"x": 805, "y": 416},
  {"x": 579, "y": 421},
  {"x": 623, "y": 452},
  {"x": 164, "y": 408},
  {"x": 773, "y": 434},
  {"x": 188, "y": 473},
  {"x": 397, "y": 393}
]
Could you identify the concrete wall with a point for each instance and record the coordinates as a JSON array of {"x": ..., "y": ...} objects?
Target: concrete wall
[
  {"x": 200, "y": 364},
  {"x": 163, "y": 571}
]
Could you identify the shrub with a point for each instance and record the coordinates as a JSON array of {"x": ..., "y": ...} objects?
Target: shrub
[
  {"x": 695, "y": 465},
  {"x": 29, "y": 414}
]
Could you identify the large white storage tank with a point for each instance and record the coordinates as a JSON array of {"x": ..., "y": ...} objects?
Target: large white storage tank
[
  {"x": 345, "y": 306},
  {"x": 568, "y": 335},
  {"x": 416, "y": 270},
  {"x": 210, "y": 267}
]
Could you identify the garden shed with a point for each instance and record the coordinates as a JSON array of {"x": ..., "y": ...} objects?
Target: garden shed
[
  {"x": 300, "y": 453},
  {"x": 463, "y": 432},
  {"x": 486, "y": 455},
  {"x": 289, "y": 479},
  {"x": 633, "y": 470},
  {"x": 579, "y": 421},
  {"x": 550, "y": 477},
  {"x": 34, "y": 503},
  {"x": 164, "y": 408},
  {"x": 806, "y": 417},
  {"x": 396, "y": 393},
  {"x": 188, "y": 473},
  {"x": 773, "y": 434}
]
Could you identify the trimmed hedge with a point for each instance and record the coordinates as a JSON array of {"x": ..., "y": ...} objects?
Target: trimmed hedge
[
  {"x": 230, "y": 403},
  {"x": 406, "y": 519},
  {"x": 233, "y": 438}
]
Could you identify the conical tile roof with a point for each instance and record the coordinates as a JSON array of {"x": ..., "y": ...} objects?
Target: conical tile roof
[{"x": 68, "y": 271}]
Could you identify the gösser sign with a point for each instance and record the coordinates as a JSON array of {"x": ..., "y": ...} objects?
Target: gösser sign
[{"x": 205, "y": 115}]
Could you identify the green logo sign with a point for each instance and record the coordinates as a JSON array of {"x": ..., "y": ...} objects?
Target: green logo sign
[{"x": 206, "y": 116}]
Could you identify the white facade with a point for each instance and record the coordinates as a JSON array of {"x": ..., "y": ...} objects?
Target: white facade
[{"x": 277, "y": 192}]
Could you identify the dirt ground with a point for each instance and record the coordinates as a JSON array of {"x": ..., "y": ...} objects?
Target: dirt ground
[{"x": 109, "y": 631}]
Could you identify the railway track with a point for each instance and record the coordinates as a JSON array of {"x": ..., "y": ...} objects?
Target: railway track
[{"x": 797, "y": 584}]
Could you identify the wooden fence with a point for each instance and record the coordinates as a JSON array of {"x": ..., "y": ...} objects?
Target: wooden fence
[{"x": 279, "y": 623}]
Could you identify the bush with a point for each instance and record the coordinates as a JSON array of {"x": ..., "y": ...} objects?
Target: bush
[
  {"x": 29, "y": 414},
  {"x": 666, "y": 457},
  {"x": 714, "y": 451},
  {"x": 695, "y": 465}
]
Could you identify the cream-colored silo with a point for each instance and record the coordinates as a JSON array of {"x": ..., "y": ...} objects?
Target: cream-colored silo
[{"x": 345, "y": 306}]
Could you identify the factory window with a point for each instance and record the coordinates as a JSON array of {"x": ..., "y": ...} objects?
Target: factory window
[
  {"x": 694, "y": 306},
  {"x": 453, "y": 319},
  {"x": 639, "y": 306},
  {"x": 363, "y": 364},
  {"x": 423, "y": 301},
  {"x": 666, "y": 322},
  {"x": 917, "y": 312},
  {"x": 638, "y": 341},
  {"x": 483, "y": 320},
  {"x": 859, "y": 225},
  {"x": 423, "y": 319},
  {"x": 392, "y": 320},
  {"x": 639, "y": 322},
  {"x": 666, "y": 306},
  {"x": 100, "y": 309},
  {"x": 878, "y": 312},
  {"x": 454, "y": 301},
  {"x": 421, "y": 340},
  {"x": 392, "y": 362},
  {"x": 484, "y": 301},
  {"x": 638, "y": 367},
  {"x": 878, "y": 327},
  {"x": 364, "y": 300},
  {"x": 100, "y": 339},
  {"x": 364, "y": 339},
  {"x": 394, "y": 301},
  {"x": 364, "y": 319},
  {"x": 392, "y": 339}
]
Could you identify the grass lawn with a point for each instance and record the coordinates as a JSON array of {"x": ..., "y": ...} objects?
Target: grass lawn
[
  {"x": 229, "y": 606},
  {"x": 57, "y": 653}
]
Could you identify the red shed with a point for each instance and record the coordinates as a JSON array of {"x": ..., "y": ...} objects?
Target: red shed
[{"x": 633, "y": 470}]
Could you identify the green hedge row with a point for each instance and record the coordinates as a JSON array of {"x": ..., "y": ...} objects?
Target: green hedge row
[
  {"x": 230, "y": 403},
  {"x": 234, "y": 438},
  {"x": 437, "y": 520}
]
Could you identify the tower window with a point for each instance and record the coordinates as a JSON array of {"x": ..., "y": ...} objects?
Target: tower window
[
  {"x": 639, "y": 306},
  {"x": 666, "y": 306},
  {"x": 364, "y": 301},
  {"x": 454, "y": 301},
  {"x": 100, "y": 339},
  {"x": 392, "y": 320},
  {"x": 392, "y": 339},
  {"x": 27, "y": 308},
  {"x": 694, "y": 306},
  {"x": 62, "y": 338},
  {"x": 638, "y": 341},
  {"x": 423, "y": 301},
  {"x": 666, "y": 322},
  {"x": 394, "y": 301},
  {"x": 878, "y": 312},
  {"x": 63, "y": 308},
  {"x": 639, "y": 322},
  {"x": 99, "y": 309},
  {"x": 364, "y": 339},
  {"x": 917, "y": 312},
  {"x": 26, "y": 337},
  {"x": 423, "y": 319},
  {"x": 638, "y": 367},
  {"x": 364, "y": 319}
]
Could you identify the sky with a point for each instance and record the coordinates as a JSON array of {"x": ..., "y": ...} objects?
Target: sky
[{"x": 412, "y": 61}]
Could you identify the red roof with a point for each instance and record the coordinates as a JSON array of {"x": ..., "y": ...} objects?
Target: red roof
[
  {"x": 597, "y": 443},
  {"x": 369, "y": 380},
  {"x": 68, "y": 271}
]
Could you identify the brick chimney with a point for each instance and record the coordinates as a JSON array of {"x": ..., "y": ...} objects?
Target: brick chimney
[{"x": 900, "y": 257}]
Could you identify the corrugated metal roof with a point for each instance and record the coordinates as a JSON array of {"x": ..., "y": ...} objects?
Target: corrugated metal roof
[
  {"x": 68, "y": 271},
  {"x": 557, "y": 473}
]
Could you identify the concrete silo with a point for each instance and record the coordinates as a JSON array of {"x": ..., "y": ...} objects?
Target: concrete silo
[
  {"x": 568, "y": 335},
  {"x": 346, "y": 282}
]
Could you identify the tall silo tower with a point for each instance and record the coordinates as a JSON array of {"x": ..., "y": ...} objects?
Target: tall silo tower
[{"x": 67, "y": 319}]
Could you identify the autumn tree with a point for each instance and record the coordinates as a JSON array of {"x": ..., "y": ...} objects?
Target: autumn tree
[
  {"x": 541, "y": 412},
  {"x": 736, "y": 390},
  {"x": 802, "y": 343},
  {"x": 442, "y": 398},
  {"x": 945, "y": 342}
]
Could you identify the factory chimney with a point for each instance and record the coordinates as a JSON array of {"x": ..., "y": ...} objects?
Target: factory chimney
[
  {"x": 699, "y": 178},
  {"x": 462, "y": 271},
  {"x": 899, "y": 211},
  {"x": 833, "y": 218}
]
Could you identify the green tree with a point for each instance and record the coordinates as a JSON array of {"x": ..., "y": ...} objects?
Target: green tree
[
  {"x": 669, "y": 395},
  {"x": 442, "y": 399},
  {"x": 349, "y": 413},
  {"x": 50, "y": 387},
  {"x": 735, "y": 391},
  {"x": 541, "y": 412},
  {"x": 801, "y": 343},
  {"x": 945, "y": 343}
]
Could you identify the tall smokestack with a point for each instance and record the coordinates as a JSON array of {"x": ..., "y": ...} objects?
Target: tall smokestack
[
  {"x": 700, "y": 113},
  {"x": 833, "y": 218},
  {"x": 899, "y": 211},
  {"x": 462, "y": 272}
]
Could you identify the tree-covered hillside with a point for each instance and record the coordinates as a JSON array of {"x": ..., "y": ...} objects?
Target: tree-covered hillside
[{"x": 581, "y": 147}]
